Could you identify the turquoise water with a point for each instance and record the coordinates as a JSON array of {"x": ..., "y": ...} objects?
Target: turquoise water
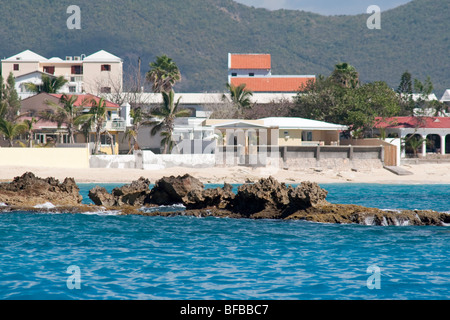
[{"x": 134, "y": 257}]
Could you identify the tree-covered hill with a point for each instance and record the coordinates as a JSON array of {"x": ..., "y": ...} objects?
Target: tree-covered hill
[{"x": 198, "y": 34}]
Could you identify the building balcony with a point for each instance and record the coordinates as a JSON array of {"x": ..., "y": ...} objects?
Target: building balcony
[{"x": 115, "y": 125}]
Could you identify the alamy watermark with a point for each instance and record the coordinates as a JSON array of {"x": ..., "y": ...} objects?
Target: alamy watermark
[
  {"x": 374, "y": 281},
  {"x": 374, "y": 21},
  {"x": 74, "y": 21},
  {"x": 74, "y": 280}
]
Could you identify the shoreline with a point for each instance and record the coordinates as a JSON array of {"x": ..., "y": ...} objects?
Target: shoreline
[{"x": 422, "y": 174}]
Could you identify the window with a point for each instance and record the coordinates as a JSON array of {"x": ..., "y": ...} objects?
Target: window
[
  {"x": 50, "y": 70},
  {"x": 106, "y": 67},
  {"x": 77, "y": 70},
  {"x": 16, "y": 67},
  {"x": 105, "y": 90},
  {"x": 234, "y": 74},
  {"x": 307, "y": 136},
  {"x": 251, "y": 74},
  {"x": 72, "y": 89}
]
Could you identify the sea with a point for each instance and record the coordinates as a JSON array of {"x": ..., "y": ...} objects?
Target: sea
[{"x": 107, "y": 256}]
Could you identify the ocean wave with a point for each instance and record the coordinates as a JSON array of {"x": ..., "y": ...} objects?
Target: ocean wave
[
  {"x": 175, "y": 207},
  {"x": 47, "y": 205}
]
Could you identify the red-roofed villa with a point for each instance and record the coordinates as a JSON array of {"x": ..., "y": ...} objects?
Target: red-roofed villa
[
  {"x": 255, "y": 71},
  {"x": 434, "y": 130},
  {"x": 47, "y": 131}
]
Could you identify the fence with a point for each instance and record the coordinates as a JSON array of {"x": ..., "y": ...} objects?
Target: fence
[
  {"x": 391, "y": 152},
  {"x": 264, "y": 156}
]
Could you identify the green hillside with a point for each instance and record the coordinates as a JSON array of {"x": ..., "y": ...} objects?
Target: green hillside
[{"x": 198, "y": 34}]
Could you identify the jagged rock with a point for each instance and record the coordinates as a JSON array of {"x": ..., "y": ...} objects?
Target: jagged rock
[
  {"x": 134, "y": 194},
  {"x": 171, "y": 190},
  {"x": 349, "y": 214},
  {"x": 219, "y": 198},
  {"x": 29, "y": 190},
  {"x": 101, "y": 197},
  {"x": 271, "y": 199},
  {"x": 307, "y": 194}
]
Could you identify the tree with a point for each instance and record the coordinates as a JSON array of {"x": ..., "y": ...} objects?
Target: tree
[
  {"x": 275, "y": 108},
  {"x": 9, "y": 99},
  {"x": 96, "y": 117},
  {"x": 50, "y": 84},
  {"x": 405, "y": 90},
  {"x": 345, "y": 75},
  {"x": 240, "y": 97},
  {"x": 166, "y": 115},
  {"x": 322, "y": 99},
  {"x": 405, "y": 86},
  {"x": 163, "y": 74},
  {"x": 327, "y": 99},
  {"x": 65, "y": 114},
  {"x": 414, "y": 142},
  {"x": 11, "y": 130},
  {"x": 29, "y": 128},
  {"x": 370, "y": 101}
]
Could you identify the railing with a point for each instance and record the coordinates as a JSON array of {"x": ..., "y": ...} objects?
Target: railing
[
  {"x": 115, "y": 125},
  {"x": 112, "y": 125}
]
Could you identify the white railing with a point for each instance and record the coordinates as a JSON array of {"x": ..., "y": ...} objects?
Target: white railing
[{"x": 115, "y": 125}]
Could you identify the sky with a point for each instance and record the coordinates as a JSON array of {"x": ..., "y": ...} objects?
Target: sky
[{"x": 325, "y": 7}]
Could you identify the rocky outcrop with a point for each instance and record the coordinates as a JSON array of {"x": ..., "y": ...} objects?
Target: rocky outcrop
[
  {"x": 167, "y": 191},
  {"x": 264, "y": 199},
  {"x": 271, "y": 199},
  {"x": 29, "y": 190},
  {"x": 220, "y": 198},
  {"x": 134, "y": 194},
  {"x": 172, "y": 190}
]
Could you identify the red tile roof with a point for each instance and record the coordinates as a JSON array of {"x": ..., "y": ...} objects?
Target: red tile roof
[
  {"x": 414, "y": 122},
  {"x": 272, "y": 84},
  {"x": 84, "y": 100},
  {"x": 250, "y": 61}
]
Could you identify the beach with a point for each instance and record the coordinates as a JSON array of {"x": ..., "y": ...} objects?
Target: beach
[{"x": 422, "y": 174}]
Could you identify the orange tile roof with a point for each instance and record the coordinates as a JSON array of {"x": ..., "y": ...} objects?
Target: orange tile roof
[
  {"x": 84, "y": 100},
  {"x": 272, "y": 84},
  {"x": 250, "y": 61}
]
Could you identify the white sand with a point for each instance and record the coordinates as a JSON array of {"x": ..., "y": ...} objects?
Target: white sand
[{"x": 422, "y": 174}]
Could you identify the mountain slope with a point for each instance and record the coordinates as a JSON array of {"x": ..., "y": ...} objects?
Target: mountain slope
[{"x": 198, "y": 34}]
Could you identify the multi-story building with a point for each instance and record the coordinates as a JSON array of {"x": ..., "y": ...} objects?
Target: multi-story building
[
  {"x": 255, "y": 70},
  {"x": 98, "y": 73}
]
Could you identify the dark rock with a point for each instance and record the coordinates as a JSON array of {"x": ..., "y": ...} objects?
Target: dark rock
[
  {"x": 172, "y": 190},
  {"x": 134, "y": 194},
  {"x": 101, "y": 197},
  {"x": 29, "y": 190},
  {"x": 271, "y": 199},
  {"x": 220, "y": 198}
]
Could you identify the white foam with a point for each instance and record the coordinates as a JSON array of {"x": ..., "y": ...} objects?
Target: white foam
[
  {"x": 47, "y": 205},
  {"x": 103, "y": 213},
  {"x": 2, "y": 204}
]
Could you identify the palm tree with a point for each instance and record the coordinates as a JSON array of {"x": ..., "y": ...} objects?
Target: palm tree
[
  {"x": 29, "y": 125},
  {"x": 97, "y": 117},
  {"x": 167, "y": 113},
  {"x": 11, "y": 130},
  {"x": 132, "y": 133},
  {"x": 163, "y": 74},
  {"x": 414, "y": 142},
  {"x": 49, "y": 84},
  {"x": 65, "y": 114},
  {"x": 240, "y": 96},
  {"x": 345, "y": 75}
]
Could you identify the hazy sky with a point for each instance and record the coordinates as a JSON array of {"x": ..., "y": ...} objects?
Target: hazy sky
[{"x": 325, "y": 7}]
